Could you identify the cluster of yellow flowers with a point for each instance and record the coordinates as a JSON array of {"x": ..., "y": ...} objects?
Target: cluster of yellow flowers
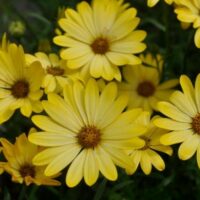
[{"x": 97, "y": 99}]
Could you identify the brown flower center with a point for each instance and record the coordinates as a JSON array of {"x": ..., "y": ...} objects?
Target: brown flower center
[
  {"x": 89, "y": 137},
  {"x": 20, "y": 89},
  {"x": 146, "y": 89},
  {"x": 196, "y": 124},
  {"x": 27, "y": 170},
  {"x": 56, "y": 71},
  {"x": 100, "y": 46},
  {"x": 147, "y": 143}
]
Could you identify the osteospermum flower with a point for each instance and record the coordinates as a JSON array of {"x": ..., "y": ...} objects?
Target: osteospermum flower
[
  {"x": 188, "y": 12},
  {"x": 57, "y": 73},
  {"x": 19, "y": 85},
  {"x": 182, "y": 119},
  {"x": 142, "y": 83},
  {"x": 19, "y": 162},
  {"x": 100, "y": 37},
  {"x": 152, "y": 3},
  {"x": 83, "y": 131},
  {"x": 148, "y": 155}
]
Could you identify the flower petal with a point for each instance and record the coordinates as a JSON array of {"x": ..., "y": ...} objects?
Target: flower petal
[{"x": 189, "y": 147}]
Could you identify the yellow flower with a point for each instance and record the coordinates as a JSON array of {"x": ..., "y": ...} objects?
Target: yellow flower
[
  {"x": 188, "y": 12},
  {"x": 19, "y": 85},
  {"x": 101, "y": 37},
  {"x": 56, "y": 71},
  {"x": 142, "y": 83},
  {"x": 84, "y": 131},
  {"x": 152, "y": 3},
  {"x": 19, "y": 162},
  {"x": 183, "y": 119},
  {"x": 147, "y": 155}
]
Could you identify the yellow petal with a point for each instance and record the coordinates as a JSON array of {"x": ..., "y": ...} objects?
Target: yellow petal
[
  {"x": 51, "y": 139},
  {"x": 119, "y": 157},
  {"x": 62, "y": 160},
  {"x": 107, "y": 98},
  {"x": 96, "y": 66},
  {"x": 56, "y": 112},
  {"x": 6, "y": 115},
  {"x": 78, "y": 93},
  {"x": 175, "y": 137},
  {"x": 145, "y": 163},
  {"x": 172, "y": 112},
  {"x": 181, "y": 102},
  {"x": 156, "y": 160},
  {"x": 136, "y": 157},
  {"x": 165, "y": 149},
  {"x": 26, "y": 108},
  {"x": 128, "y": 132},
  {"x": 197, "y": 92},
  {"x": 152, "y": 3},
  {"x": 170, "y": 124},
  {"x": 91, "y": 171},
  {"x": 114, "y": 111},
  {"x": 124, "y": 144},
  {"x": 47, "y": 124},
  {"x": 189, "y": 147},
  {"x": 46, "y": 156},
  {"x": 91, "y": 99},
  {"x": 188, "y": 90},
  {"x": 197, "y": 38},
  {"x": 168, "y": 84},
  {"x": 198, "y": 156},
  {"x": 105, "y": 164},
  {"x": 75, "y": 171},
  {"x": 75, "y": 31}
]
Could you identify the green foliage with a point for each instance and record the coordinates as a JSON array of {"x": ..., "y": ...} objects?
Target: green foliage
[{"x": 181, "y": 179}]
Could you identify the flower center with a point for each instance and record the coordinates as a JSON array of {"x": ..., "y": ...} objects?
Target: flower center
[
  {"x": 100, "y": 46},
  {"x": 56, "y": 71},
  {"x": 146, "y": 89},
  {"x": 20, "y": 89},
  {"x": 89, "y": 137},
  {"x": 27, "y": 170},
  {"x": 196, "y": 123},
  {"x": 146, "y": 146}
]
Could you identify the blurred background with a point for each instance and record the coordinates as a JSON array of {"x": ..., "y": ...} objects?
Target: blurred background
[{"x": 33, "y": 23}]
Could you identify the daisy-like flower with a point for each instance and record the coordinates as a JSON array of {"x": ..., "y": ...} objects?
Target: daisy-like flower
[
  {"x": 148, "y": 155},
  {"x": 19, "y": 162},
  {"x": 19, "y": 85},
  {"x": 183, "y": 119},
  {"x": 188, "y": 12},
  {"x": 56, "y": 71},
  {"x": 101, "y": 37},
  {"x": 142, "y": 83},
  {"x": 84, "y": 131},
  {"x": 152, "y": 3}
]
